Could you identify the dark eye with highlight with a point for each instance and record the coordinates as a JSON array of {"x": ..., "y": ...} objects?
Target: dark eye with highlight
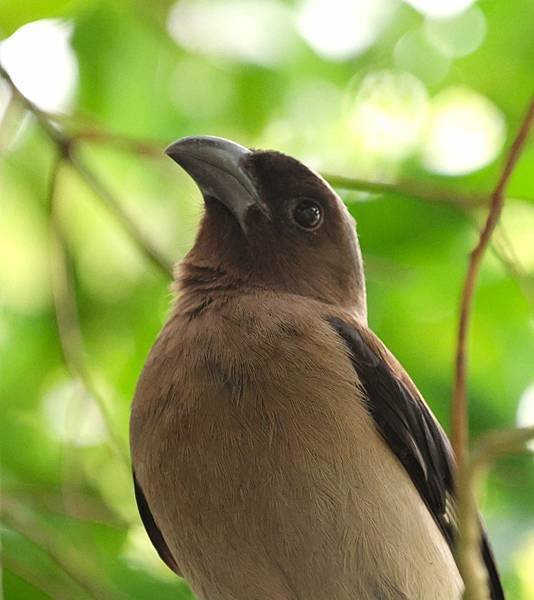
[{"x": 308, "y": 214}]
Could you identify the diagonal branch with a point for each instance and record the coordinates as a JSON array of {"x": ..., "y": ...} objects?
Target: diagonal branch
[
  {"x": 459, "y": 400},
  {"x": 64, "y": 144},
  {"x": 489, "y": 448},
  {"x": 141, "y": 239}
]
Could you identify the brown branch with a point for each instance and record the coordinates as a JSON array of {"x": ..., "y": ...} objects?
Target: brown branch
[
  {"x": 129, "y": 144},
  {"x": 470, "y": 468},
  {"x": 489, "y": 448},
  {"x": 459, "y": 400}
]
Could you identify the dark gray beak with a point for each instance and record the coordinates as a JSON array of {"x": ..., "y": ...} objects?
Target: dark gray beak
[{"x": 217, "y": 166}]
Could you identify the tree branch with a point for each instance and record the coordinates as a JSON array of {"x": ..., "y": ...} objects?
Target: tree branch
[
  {"x": 64, "y": 144},
  {"x": 140, "y": 238},
  {"x": 154, "y": 149},
  {"x": 22, "y": 522},
  {"x": 405, "y": 190},
  {"x": 471, "y": 468},
  {"x": 488, "y": 449},
  {"x": 459, "y": 400}
]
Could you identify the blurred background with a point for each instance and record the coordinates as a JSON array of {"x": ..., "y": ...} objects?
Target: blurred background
[{"x": 424, "y": 95}]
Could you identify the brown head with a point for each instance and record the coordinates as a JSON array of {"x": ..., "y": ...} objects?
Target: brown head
[{"x": 271, "y": 223}]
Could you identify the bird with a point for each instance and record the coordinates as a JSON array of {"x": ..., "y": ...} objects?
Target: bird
[{"x": 280, "y": 451}]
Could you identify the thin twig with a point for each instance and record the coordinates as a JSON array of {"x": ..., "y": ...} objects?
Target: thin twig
[
  {"x": 124, "y": 142},
  {"x": 24, "y": 524},
  {"x": 52, "y": 132},
  {"x": 488, "y": 449},
  {"x": 402, "y": 189},
  {"x": 469, "y": 560},
  {"x": 64, "y": 144},
  {"x": 44, "y": 582},
  {"x": 70, "y": 334},
  {"x": 405, "y": 190},
  {"x": 154, "y": 149},
  {"x": 459, "y": 400},
  {"x": 140, "y": 238}
]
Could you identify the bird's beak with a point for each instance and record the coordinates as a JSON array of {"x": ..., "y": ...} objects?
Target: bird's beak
[{"x": 217, "y": 166}]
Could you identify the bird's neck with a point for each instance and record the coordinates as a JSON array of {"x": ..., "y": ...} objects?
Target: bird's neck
[{"x": 199, "y": 284}]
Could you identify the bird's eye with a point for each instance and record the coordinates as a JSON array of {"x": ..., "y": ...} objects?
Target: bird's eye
[{"x": 308, "y": 214}]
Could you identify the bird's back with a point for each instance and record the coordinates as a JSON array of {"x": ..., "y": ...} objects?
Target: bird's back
[{"x": 264, "y": 470}]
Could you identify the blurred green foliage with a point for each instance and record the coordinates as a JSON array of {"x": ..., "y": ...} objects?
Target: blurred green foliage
[{"x": 376, "y": 90}]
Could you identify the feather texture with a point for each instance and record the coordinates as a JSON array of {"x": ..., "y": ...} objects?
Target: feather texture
[{"x": 411, "y": 431}]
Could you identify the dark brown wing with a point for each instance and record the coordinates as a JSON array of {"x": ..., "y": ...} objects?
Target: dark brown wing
[
  {"x": 155, "y": 535},
  {"x": 411, "y": 431}
]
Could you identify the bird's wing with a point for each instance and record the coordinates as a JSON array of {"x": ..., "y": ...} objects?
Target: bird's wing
[
  {"x": 411, "y": 431},
  {"x": 154, "y": 533}
]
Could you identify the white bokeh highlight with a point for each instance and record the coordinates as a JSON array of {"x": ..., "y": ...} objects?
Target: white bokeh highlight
[
  {"x": 5, "y": 97},
  {"x": 387, "y": 115},
  {"x": 72, "y": 415},
  {"x": 439, "y": 9},
  {"x": 465, "y": 131},
  {"x": 525, "y": 411},
  {"x": 42, "y": 64},
  {"x": 249, "y": 31},
  {"x": 457, "y": 36},
  {"x": 341, "y": 29}
]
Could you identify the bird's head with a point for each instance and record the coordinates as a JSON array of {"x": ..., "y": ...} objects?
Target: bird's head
[{"x": 272, "y": 223}]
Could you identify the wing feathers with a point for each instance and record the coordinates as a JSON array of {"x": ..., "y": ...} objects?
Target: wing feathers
[
  {"x": 411, "y": 431},
  {"x": 155, "y": 535}
]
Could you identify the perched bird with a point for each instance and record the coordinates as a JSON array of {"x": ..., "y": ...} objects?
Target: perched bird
[{"x": 279, "y": 450}]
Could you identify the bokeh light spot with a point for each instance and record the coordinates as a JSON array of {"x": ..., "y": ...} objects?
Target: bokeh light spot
[
  {"x": 518, "y": 223},
  {"x": 39, "y": 58},
  {"x": 5, "y": 97},
  {"x": 72, "y": 415},
  {"x": 200, "y": 90},
  {"x": 525, "y": 411},
  {"x": 387, "y": 114},
  {"x": 414, "y": 53},
  {"x": 244, "y": 30},
  {"x": 465, "y": 132},
  {"x": 139, "y": 552},
  {"x": 24, "y": 266},
  {"x": 524, "y": 559},
  {"x": 458, "y": 36},
  {"x": 440, "y": 8},
  {"x": 340, "y": 29}
]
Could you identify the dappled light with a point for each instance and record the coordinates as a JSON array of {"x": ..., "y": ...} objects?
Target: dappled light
[
  {"x": 465, "y": 132},
  {"x": 458, "y": 36},
  {"x": 388, "y": 113},
  {"x": 42, "y": 63},
  {"x": 409, "y": 109},
  {"x": 253, "y": 31},
  {"x": 440, "y": 8},
  {"x": 72, "y": 415},
  {"x": 341, "y": 29},
  {"x": 525, "y": 410}
]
